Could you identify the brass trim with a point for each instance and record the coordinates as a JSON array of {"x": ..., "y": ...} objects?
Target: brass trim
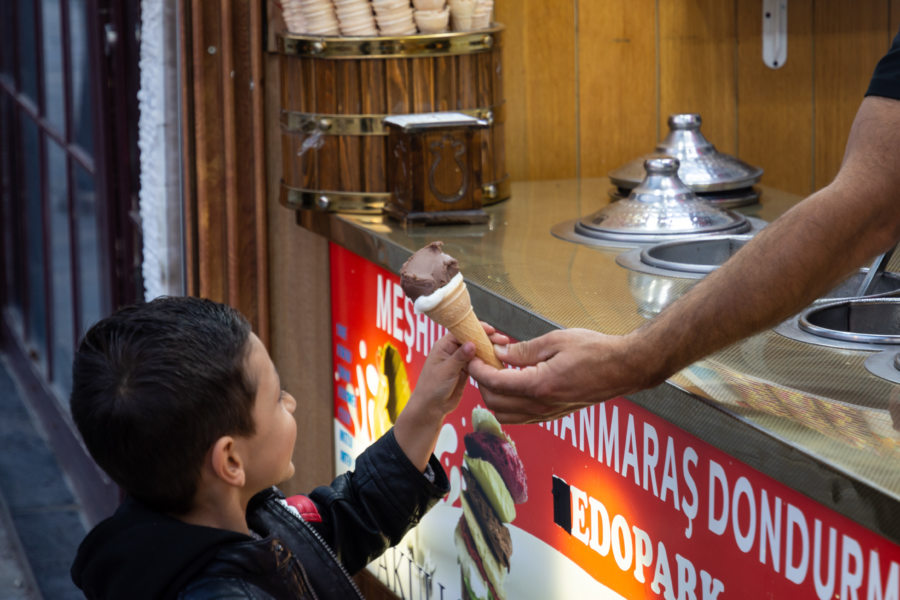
[
  {"x": 333, "y": 201},
  {"x": 344, "y": 124},
  {"x": 370, "y": 203},
  {"x": 437, "y": 44},
  {"x": 495, "y": 191}
]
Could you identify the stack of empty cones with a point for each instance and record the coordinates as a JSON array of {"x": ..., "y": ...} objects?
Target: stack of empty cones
[
  {"x": 355, "y": 17},
  {"x": 317, "y": 16},
  {"x": 394, "y": 17},
  {"x": 461, "y": 13},
  {"x": 432, "y": 16},
  {"x": 481, "y": 16},
  {"x": 293, "y": 16},
  {"x": 385, "y": 17}
]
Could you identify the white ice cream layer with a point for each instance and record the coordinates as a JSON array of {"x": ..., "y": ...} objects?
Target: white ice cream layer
[{"x": 423, "y": 304}]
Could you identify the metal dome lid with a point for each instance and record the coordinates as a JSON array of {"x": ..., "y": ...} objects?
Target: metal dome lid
[
  {"x": 661, "y": 207},
  {"x": 703, "y": 168}
]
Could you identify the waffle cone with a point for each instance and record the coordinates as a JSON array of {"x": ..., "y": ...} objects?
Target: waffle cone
[{"x": 456, "y": 314}]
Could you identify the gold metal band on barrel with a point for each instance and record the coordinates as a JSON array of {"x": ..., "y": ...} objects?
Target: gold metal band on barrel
[
  {"x": 342, "y": 124},
  {"x": 367, "y": 202},
  {"x": 333, "y": 201},
  {"x": 438, "y": 44}
]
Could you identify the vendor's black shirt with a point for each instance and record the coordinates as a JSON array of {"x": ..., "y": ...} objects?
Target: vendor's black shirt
[{"x": 886, "y": 79}]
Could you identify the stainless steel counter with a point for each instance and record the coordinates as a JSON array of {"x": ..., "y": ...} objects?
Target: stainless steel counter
[{"x": 809, "y": 416}]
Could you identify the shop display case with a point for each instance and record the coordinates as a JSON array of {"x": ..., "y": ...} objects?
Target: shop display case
[{"x": 769, "y": 465}]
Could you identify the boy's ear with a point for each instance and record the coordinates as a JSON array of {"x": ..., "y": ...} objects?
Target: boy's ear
[{"x": 226, "y": 462}]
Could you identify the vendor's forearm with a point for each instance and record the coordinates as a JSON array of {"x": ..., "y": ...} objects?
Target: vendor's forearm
[{"x": 797, "y": 258}]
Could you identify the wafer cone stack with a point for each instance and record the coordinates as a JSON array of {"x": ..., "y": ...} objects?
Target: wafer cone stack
[
  {"x": 481, "y": 16},
  {"x": 428, "y": 4},
  {"x": 456, "y": 314},
  {"x": 292, "y": 13},
  {"x": 461, "y": 12},
  {"x": 319, "y": 17},
  {"x": 432, "y": 21}
]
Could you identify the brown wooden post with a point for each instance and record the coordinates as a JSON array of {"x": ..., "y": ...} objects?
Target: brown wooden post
[{"x": 223, "y": 144}]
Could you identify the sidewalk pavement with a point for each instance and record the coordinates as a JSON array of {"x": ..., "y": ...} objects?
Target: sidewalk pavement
[
  {"x": 16, "y": 579},
  {"x": 41, "y": 523}
]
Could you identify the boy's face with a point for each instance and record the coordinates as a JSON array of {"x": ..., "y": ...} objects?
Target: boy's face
[{"x": 270, "y": 450}]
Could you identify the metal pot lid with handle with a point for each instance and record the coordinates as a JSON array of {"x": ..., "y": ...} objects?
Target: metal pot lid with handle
[
  {"x": 703, "y": 168},
  {"x": 661, "y": 207}
]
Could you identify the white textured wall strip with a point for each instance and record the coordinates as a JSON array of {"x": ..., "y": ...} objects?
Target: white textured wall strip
[{"x": 158, "y": 142}]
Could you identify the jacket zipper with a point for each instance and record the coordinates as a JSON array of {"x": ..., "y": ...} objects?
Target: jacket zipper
[{"x": 327, "y": 547}]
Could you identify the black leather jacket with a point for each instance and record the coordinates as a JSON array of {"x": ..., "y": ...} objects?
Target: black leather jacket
[{"x": 138, "y": 553}]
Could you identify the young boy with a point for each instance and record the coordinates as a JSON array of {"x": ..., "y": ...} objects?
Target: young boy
[{"x": 179, "y": 402}]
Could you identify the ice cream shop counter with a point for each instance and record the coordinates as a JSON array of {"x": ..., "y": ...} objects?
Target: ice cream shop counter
[{"x": 771, "y": 466}]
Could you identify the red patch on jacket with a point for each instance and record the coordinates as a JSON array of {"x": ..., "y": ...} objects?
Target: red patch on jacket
[{"x": 306, "y": 508}]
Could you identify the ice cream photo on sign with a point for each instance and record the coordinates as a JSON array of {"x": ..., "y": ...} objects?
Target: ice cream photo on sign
[
  {"x": 495, "y": 482},
  {"x": 431, "y": 279}
]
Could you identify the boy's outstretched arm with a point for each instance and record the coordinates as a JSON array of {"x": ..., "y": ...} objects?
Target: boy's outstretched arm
[{"x": 436, "y": 395}]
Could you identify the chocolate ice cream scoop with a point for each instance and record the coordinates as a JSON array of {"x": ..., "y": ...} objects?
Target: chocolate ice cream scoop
[
  {"x": 427, "y": 270},
  {"x": 431, "y": 279}
]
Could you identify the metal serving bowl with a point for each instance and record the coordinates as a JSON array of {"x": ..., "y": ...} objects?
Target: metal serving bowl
[
  {"x": 865, "y": 320},
  {"x": 703, "y": 168},
  {"x": 885, "y": 364},
  {"x": 660, "y": 208},
  {"x": 700, "y": 256}
]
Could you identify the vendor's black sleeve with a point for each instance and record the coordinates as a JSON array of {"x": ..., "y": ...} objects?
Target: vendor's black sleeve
[{"x": 886, "y": 79}]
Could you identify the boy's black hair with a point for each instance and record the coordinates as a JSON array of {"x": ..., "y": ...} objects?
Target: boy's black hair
[{"x": 154, "y": 386}]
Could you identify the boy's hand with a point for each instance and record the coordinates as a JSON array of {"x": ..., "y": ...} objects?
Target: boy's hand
[
  {"x": 443, "y": 377},
  {"x": 437, "y": 394}
]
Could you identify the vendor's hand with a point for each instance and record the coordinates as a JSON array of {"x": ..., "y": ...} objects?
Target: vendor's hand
[
  {"x": 562, "y": 371},
  {"x": 497, "y": 339}
]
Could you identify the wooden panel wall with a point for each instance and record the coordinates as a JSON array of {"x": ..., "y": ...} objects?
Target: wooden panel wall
[
  {"x": 615, "y": 46},
  {"x": 591, "y": 83},
  {"x": 540, "y": 79},
  {"x": 224, "y": 154},
  {"x": 776, "y": 117}
]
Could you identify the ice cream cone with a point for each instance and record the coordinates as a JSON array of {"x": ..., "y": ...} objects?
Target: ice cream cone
[
  {"x": 319, "y": 17},
  {"x": 455, "y": 313},
  {"x": 461, "y": 12},
  {"x": 428, "y": 4},
  {"x": 356, "y": 18},
  {"x": 481, "y": 16},
  {"x": 432, "y": 21},
  {"x": 292, "y": 13},
  {"x": 395, "y": 20}
]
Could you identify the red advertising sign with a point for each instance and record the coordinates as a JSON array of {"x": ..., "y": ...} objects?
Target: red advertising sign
[{"x": 620, "y": 503}]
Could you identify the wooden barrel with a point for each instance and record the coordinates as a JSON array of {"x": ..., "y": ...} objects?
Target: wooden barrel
[{"x": 335, "y": 92}]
